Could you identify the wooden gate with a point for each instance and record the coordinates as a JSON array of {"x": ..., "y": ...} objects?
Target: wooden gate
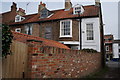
[{"x": 15, "y": 65}]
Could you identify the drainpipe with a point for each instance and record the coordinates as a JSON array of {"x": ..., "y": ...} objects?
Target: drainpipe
[
  {"x": 80, "y": 30},
  {"x": 102, "y": 36}
]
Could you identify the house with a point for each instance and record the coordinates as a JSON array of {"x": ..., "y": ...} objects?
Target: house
[
  {"x": 9, "y": 17},
  {"x": 116, "y": 49},
  {"x": 108, "y": 42},
  {"x": 76, "y": 26}
]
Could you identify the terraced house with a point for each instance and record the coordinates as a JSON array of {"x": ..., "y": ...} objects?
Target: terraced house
[{"x": 76, "y": 26}]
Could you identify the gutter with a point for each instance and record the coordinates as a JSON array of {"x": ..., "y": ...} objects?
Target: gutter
[{"x": 56, "y": 20}]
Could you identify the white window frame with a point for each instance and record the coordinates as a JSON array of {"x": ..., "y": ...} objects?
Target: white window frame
[
  {"x": 20, "y": 18},
  {"x": 89, "y": 34},
  {"x": 62, "y": 26},
  {"x": 107, "y": 48},
  {"x": 78, "y": 8},
  {"x": 16, "y": 30}
]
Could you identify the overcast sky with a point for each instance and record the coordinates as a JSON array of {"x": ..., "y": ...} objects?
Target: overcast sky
[{"x": 109, "y": 9}]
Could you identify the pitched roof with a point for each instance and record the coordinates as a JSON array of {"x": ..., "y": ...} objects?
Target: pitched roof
[
  {"x": 90, "y": 11},
  {"x": 24, "y": 37}
]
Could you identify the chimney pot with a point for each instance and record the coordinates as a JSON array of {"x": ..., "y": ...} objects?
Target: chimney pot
[
  {"x": 68, "y": 4},
  {"x": 21, "y": 12},
  {"x": 41, "y": 2},
  {"x": 44, "y": 4},
  {"x": 97, "y": 2},
  {"x": 13, "y": 7}
]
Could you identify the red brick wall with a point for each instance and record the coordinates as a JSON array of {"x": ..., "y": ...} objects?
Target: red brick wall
[
  {"x": 49, "y": 62},
  {"x": 9, "y": 17},
  {"x": 56, "y": 30}
]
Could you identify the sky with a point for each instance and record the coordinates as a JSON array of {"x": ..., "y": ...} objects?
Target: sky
[{"x": 109, "y": 10}]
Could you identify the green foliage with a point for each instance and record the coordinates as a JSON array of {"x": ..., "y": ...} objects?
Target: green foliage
[
  {"x": 6, "y": 40},
  {"x": 89, "y": 50}
]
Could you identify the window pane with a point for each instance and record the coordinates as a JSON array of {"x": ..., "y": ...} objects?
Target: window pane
[
  {"x": 48, "y": 32},
  {"x": 89, "y": 32},
  {"x": 65, "y": 28}
]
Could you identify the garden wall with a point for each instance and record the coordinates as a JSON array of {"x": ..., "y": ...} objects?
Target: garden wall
[{"x": 50, "y": 62}]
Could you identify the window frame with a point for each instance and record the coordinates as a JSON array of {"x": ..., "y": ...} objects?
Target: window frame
[
  {"x": 48, "y": 32},
  {"x": 76, "y": 10},
  {"x": 107, "y": 48},
  {"x": 27, "y": 29},
  {"x": 93, "y": 35},
  {"x": 18, "y": 29},
  {"x": 62, "y": 26},
  {"x": 20, "y": 18}
]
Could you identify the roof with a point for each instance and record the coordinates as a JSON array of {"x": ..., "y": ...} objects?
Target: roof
[
  {"x": 24, "y": 37},
  {"x": 90, "y": 11}
]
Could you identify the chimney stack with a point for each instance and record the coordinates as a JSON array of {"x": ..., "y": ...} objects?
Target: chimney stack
[
  {"x": 97, "y": 2},
  {"x": 14, "y": 7},
  {"x": 68, "y": 4},
  {"x": 21, "y": 12},
  {"x": 41, "y": 6}
]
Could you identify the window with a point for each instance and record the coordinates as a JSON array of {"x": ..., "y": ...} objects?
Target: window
[
  {"x": 119, "y": 50},
  {"x": 107, "y": 48},
  {"x": 28, "y": 29},
  {"x": 18, "y": 30},
  {"x": 78, "y": 9},
  {"x": 119, "y": 45},
  {"x": 19, "y": 18},
  {"x": 44, "y": 13},
  {"x": 66, "y": 28},
  {"x": 48, "y": 32},
  {"x": 89, "y": 32}
]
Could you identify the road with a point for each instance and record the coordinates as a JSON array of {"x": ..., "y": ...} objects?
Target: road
[{"x": 113, "y": 71}]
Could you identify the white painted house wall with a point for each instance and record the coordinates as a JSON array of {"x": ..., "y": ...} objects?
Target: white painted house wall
[
  {"x": 94, "y": 44},
  {"x": 119, "y": 20},
  {"x": 115, "y": 50}
]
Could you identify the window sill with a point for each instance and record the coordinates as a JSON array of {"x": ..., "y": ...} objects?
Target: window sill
[
  {"x": 90, "y": 41},
  {"x": 65, "y": 36}
]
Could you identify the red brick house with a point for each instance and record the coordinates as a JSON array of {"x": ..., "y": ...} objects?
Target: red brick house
[
  {"x": 108, "y": 41},
  {"x": 9, "y": 17},
  {"x": 73, "y": 26}
]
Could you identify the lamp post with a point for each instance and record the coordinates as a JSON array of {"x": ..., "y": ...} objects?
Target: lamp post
[{"x": 80, "y": 30}]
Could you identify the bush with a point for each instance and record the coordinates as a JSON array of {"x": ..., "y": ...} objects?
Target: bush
[
  {"x": 6, "y": 40},
  {"x": 89, "y": 50}
]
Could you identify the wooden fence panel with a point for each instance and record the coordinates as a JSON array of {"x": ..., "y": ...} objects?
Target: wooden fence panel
[{"x": 15, "y": 64}]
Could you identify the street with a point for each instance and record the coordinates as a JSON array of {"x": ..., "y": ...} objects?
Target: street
[{"x": 113, "y": 71}]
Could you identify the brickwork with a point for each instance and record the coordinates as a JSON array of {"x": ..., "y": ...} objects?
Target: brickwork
[
  {"x": 50, "y": 62},
  {"x": 56, "y": 30}
]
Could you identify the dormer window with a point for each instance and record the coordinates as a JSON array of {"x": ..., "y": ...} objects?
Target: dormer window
[
  {"x": 19, "y": 18},
  {"x": 78, "y": 9},
  {"x": 44, "y": 13},
  {"x": 18, "y": 30}
]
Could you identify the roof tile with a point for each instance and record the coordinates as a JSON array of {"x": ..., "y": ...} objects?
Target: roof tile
[{"x": 90, "y": 10}]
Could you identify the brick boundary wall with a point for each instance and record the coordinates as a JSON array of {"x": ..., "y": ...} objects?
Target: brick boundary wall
[{"x": 50, "y": 62}]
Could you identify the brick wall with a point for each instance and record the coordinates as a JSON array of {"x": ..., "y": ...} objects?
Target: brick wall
[
  {"x": 56, "y": 30},
  {"x": 49, "y": 62}
]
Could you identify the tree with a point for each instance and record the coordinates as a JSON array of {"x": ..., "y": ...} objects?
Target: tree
[{"x": 6, "y": 40}]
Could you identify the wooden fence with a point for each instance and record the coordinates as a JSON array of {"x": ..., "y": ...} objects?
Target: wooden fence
[{"x": 14, "y": 66}]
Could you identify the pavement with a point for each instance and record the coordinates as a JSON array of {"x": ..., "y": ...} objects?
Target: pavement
[{"x": 113, "y": 70}]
